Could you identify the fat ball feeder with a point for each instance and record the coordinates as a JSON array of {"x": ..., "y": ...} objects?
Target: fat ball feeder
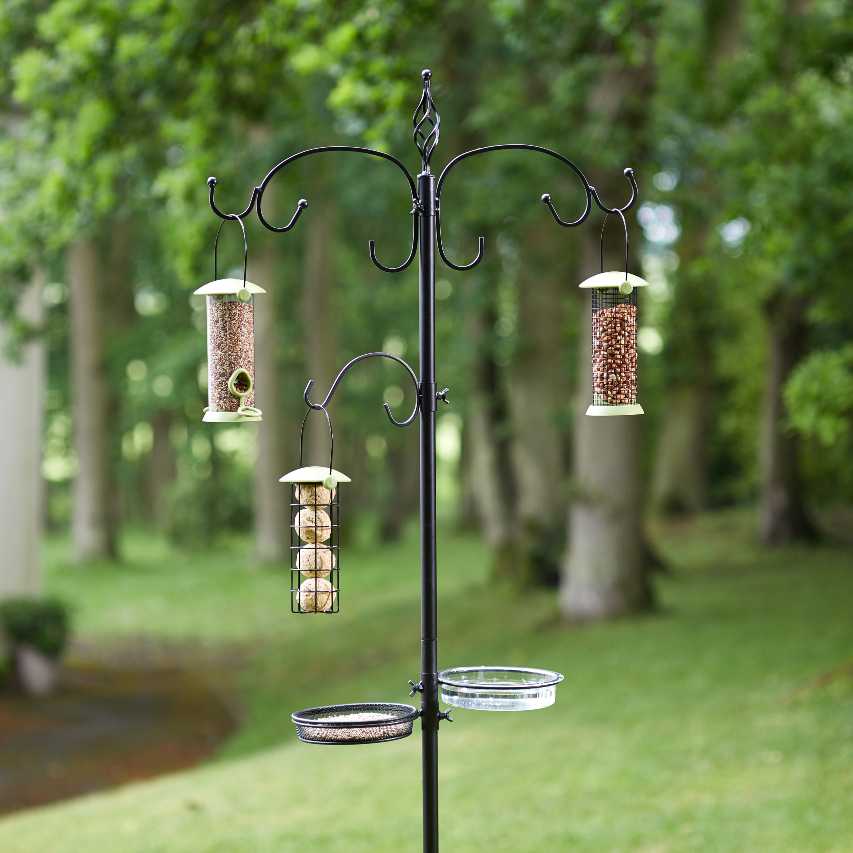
[{"x": 315, "y": 518}]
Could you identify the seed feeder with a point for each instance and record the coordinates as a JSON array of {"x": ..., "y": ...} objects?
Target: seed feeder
[
  {"x": 614, "y": 337},
  {"x": 314, "y": 532},
  {"x": 230, "y": 343}
]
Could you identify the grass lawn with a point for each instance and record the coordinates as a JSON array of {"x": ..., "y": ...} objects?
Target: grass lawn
[{"x": 707, "y": 726}]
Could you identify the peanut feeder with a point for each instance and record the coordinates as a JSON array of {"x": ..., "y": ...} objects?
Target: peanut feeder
[{"x": 614, "y": 343}]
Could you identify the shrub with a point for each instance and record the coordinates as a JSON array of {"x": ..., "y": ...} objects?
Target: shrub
[{"x": 43, "y": 623}]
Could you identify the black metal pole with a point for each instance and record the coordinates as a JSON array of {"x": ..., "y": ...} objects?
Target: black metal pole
[{"x": 429, "y": 651}]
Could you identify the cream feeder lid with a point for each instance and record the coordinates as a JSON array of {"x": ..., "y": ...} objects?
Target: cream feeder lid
[
  {"x": 223, "y": 286},
  {"x": 314, "y": 474},
  {"x": 613, "y": 278}
]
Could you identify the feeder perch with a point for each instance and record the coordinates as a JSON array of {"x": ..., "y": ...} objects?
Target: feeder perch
[
  {"x": 614, "y": 343},
  {"x": 314, "y": 542}
]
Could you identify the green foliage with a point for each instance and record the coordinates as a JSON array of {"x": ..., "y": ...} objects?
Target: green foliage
[
  {"x": 43, "y": 623},
  {"x": 819, "y": 396}
]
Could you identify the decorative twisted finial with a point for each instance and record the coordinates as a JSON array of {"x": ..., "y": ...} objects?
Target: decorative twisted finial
[{"x": 426, "y": 123}]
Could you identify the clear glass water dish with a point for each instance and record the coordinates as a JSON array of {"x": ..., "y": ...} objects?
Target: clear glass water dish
[{"x": 498, "y": 688}]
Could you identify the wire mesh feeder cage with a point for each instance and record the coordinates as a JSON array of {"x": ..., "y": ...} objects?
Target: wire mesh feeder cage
[
  {"x": 315, "y": 516},
  {"x": 614, "y": 338},
  {"x": 230, "y": 343},
  {"x": 365, "y": 722}
]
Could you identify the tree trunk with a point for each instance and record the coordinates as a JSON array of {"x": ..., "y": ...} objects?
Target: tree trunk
[
  {"x": 162, "y": 468},
  {"x": 117, "y": 313},
  {"x": 22, "y": 385},
  {"x": 93, "y": 534},
  {"x": 538, "y": 393},
  {"x": 318, "y": 321},
  {"x": 401, "y": 503},
  {"x": 680, "y": 482},
  {"x": 467, "y": 516},
  {"x": 491, "y": 445},
  {"x": 272, "y": 519},
  {"x": 782, "y": 512},
  {"x": 681, "y": 467},
  {"x": 605, "y": 571}
]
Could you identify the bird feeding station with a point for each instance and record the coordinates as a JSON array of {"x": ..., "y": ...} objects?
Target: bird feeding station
[
  {"x": 315, "y": 519},
  {"x": 230, "y": 343}
]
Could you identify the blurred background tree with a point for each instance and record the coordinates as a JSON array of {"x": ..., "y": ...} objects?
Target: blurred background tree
[{"x": 114, "y": 116}]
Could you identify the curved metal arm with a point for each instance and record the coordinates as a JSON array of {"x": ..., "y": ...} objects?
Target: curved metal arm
[
  {"x": 343, "y": 371},
  {"x": 258, "y": 195},
  {"x": 589, "y": 190},
  {"x": 593, "y": 194}
]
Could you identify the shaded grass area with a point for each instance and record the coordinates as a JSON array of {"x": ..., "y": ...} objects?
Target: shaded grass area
[{"x": 711, "y": 725}]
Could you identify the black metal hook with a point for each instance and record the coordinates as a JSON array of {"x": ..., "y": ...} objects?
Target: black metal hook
[
  {"x": 344, "y": 370},
  {"x": 281, "y": 229},
  {"x": 590, "y": 192},
  {"x": 481, "y": 245},
  {"x": 239, "y": 220},
  {"x": 211, "y": 186},
  {"x": 632, "y": 181},
  {"x": 258, "y": 193},
  {"x": 312, "y": 408},
  {"x": 372, "y": 246},
  {"x": 546, "y": 200}
]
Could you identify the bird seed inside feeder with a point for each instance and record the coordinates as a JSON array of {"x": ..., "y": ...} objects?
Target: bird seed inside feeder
[{"x": 230, "y": 347}]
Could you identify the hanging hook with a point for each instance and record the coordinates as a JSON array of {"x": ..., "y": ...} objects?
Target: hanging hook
[
  {"x": 632, "y": 181},
  {"x": 481, "y": 245},
  {"x": 401, "y": 267},
  {"x": 211, "y": 184},
  {"x": 239, "y": 220},
  {"x": 546, "y": 200},
  {"x": 311, "y": 408},
  {"x": 607, "y": 215},
  {"x": 347, "y": 367},
  {"x": 281, "y": 229}
]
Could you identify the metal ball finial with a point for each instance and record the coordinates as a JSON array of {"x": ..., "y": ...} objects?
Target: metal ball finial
[
  {"x": 426, "y": 75},
  {"x": 211, "y": 181}
]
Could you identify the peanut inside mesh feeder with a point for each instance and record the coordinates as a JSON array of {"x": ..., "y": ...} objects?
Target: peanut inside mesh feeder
[
  {"x": 498, "y": 688},
  {"x": 366, "y": 722},
  {"x": 230, "y": 345}
]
